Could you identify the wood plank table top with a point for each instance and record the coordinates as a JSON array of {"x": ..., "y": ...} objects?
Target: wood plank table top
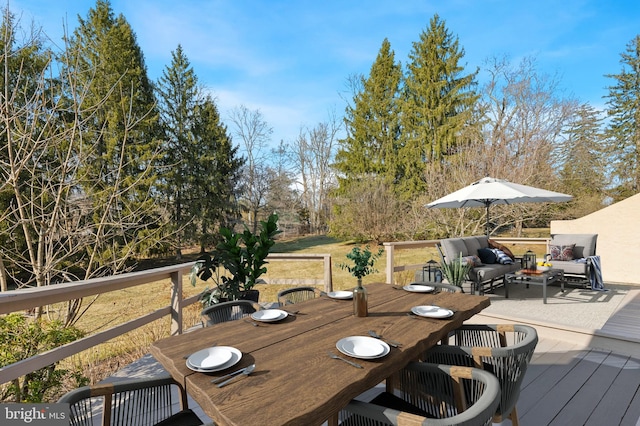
[{"x": 295, "y": 381}]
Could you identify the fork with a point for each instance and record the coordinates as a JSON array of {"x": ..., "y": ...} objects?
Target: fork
[
  {"x": 253, "y": 323},
  {"x": 334, "y": 356}
]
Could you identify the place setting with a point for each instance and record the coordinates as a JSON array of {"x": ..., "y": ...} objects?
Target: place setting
[
  {"x": 430, "y": 311},
  {"x": 338, "y": 295},
  {"x": 213, "y": 359},
  {"x": 361, "y": 347},
  {"x": 270, "y": 315},
  {"x": 419, "y": 288}
]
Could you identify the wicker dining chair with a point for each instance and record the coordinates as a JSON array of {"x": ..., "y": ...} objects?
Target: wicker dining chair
[
  {"x": 139, "y": 402},
  {"x": 227, "y": 311},
  {"x": 296, "y": 295},
  {"x": 431, "y": 395},
  {"x": 502, "y": 349}
]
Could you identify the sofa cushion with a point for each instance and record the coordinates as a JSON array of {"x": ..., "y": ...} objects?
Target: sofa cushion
[
  {"x": 490, "y": 272},
  {"x": 571, "y": 267},
  {"x": 585, "y": 244},
  {"x": 560, "y": 252},
  {"x": 473, "y": 244},
  {"x": 487, "y": 256},
  {"x": 453, "y": 248}
]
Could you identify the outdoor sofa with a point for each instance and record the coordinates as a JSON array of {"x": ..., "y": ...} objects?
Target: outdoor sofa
[
  {"x": 571, "y": 253},
  {"x": 486, "y": 268}
]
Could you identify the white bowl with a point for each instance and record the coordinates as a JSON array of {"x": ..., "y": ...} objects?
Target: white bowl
[{"x": 543, "y": 268}]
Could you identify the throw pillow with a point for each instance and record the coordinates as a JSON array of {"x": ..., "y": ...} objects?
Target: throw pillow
[
  {"x": 472, "y": 260},
  {"x": 562, "y": 253},
  {"x": 505, "y": 249},
  {"x": 502, "y": 257},
  {"x": 487, "y": 256}
]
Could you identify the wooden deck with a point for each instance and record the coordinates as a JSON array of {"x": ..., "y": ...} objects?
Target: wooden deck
[{"x": 570, "y": 385}]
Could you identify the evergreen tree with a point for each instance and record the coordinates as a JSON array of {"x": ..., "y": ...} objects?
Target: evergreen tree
[
  {"x": 122, "y": 137},
  {"x": 372, "y": 124},
  {"x": 624, "y": 128},
  {"x": 179, "y": 97},
  {"x": 583, "y": 170},
  {"x": 438, "y": 103},
  {"x": 215, "y": 173}
]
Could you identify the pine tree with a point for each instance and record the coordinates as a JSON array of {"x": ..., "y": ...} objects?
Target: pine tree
[
  {"x": 122, "y": 137},
  {"x": 178, "y": 97},
  {"x": 583, "y": 170},
  {"x": 372, "y": 124},
  {"x": 215, "y": 173},
  {"x": 438, "y": 103},
  {"x": 624, "y": 128}
]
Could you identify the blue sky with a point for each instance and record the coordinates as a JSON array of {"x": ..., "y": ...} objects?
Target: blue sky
[{"x": 291, "y": 59}]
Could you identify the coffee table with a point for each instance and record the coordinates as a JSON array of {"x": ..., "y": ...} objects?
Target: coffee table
[{"x": 543, "y": 278}]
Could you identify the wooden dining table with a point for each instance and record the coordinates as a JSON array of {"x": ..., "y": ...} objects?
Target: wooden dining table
[{"x": 295, "y": 381}]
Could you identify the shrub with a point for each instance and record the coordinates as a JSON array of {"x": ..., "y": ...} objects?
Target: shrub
[{"x": 22, "y": 338}]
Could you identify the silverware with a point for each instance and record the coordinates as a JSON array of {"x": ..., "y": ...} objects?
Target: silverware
[
  {"x": 293, "y": 314},
  {"x": 246, "y": 372},
  {"x": 235, "y": 373},
  {"x": 334, "y": 356},
  {"x": 253, "y": 323},
  {"x": 390, "y": 342}
]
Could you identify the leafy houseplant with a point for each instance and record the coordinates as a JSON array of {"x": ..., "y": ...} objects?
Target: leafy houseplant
[
  {"x": 456, "y": 271},
  {"x": 363, "y": 261},
  {"x": 236, "y": 263}
]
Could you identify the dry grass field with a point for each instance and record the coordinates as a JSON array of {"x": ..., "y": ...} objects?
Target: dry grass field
[{"x": 115, "y": 308}]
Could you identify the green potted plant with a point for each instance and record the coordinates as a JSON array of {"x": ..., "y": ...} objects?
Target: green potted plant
[
  {"x": 236, "y": 263},
  {"x": 456, "y": 271},
  {"x": 363, "y": 262}
]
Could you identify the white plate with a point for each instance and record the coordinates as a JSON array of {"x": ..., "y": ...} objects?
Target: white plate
[
  {"x": 340, "y": 294},
  {"x": 269, "y": 315},
  {"x": 235, "y": 356},
  {"x": 363, "y": 347},
  {"x": 416, "y": 288},
  {"x": 431, "y": 311}
]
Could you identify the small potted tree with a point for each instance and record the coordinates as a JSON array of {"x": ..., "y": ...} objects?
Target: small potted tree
[
  {"x": 236, "y": 263},
  {"x": 456, "y": 271},
  {"x": 363, "y": 262}
]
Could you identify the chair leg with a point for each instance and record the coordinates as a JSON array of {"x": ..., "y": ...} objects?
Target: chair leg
[{"x": 514, "y": 417}]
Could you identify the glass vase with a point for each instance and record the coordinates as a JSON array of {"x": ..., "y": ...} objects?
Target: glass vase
[{"x": 360, "y": 308}]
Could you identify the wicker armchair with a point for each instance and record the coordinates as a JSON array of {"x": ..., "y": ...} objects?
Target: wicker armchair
[
  {"x": 140, "y": 402},
  {"x": 296, "y": 295},
  {"x": 504, "y": 350},
  {"x": 228, "y": 311},
  {"x": 430, "y": 394}
]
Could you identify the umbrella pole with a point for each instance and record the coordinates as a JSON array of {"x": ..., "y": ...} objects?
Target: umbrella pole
[{"x": 487, "y": 204}]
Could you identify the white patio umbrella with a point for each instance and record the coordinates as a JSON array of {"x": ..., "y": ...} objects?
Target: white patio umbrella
[{"x": 488, "y": 191}]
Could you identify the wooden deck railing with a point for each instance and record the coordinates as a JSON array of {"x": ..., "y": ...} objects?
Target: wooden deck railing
[{"x": 29, "y": 298}]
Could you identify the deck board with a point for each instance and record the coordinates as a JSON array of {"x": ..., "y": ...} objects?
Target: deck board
[
  {"x": 581, "y": 406},
  {"x": 551, "y": 392},
  {"x": 624, "y": 322},
  {"x": 617, "y": 398}
]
